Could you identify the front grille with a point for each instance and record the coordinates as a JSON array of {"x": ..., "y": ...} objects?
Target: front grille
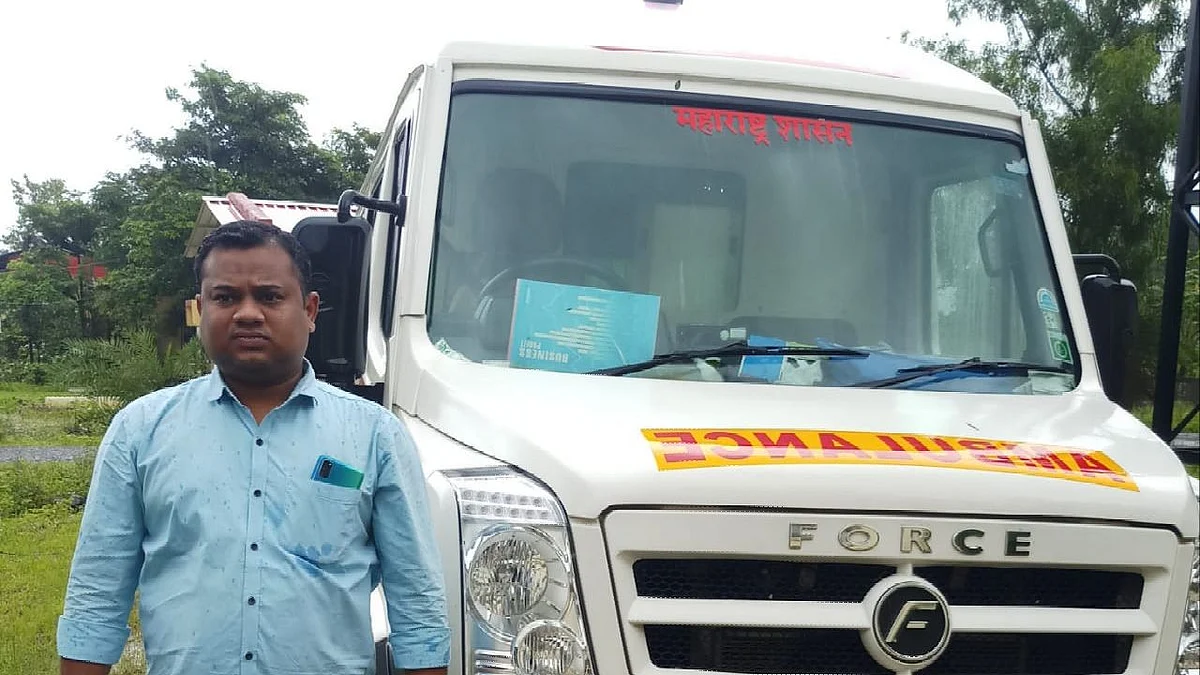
[
  {"x": 834, "y": 652},
  {"x": 841, "y": 652},
  {"x": 748, "y": 650},
  {"x": 731, "y": 592},
  {"x": 1039, "y": 654},
  {"x": 1036, "y": 587},
  {"x": 733, "y": 579}
]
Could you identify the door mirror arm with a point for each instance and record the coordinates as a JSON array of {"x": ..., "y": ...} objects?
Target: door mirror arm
[{"x": 350, "y": 198}]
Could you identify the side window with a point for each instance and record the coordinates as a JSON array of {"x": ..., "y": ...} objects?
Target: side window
[
  {"x": 391, "y": 268},
  {"x": 974, "y": 313}
]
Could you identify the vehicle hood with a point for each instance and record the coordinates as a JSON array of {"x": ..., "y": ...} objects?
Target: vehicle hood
[{"x": 594, "y": 441}]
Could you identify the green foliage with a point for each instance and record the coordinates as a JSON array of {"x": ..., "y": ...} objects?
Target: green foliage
[
  {"x": 1145, "y": 413},
  {"x": 29, "y": 421},
  {"x": 91, "y": 418},
  {"x": 1102, "y": 77},
  {"x": 38, "y": 310},
  {"x": 236, "y": 136},
  {"x": 125, "y": 368},
  {"x": 35, "y": 557},
  {"x": 353, "y": 152},
  {"x": 20, "y": 370},
  {"x": 51, "y": 216},
  {"x": 51, "y": 221},
  {"x": 241, "y": 134},
  {"x": 14, "y": 395},
  {"x": 27, "y": 486},
  {"x": 154, "y": 227},
  {"x": 1150, "y": 308}
]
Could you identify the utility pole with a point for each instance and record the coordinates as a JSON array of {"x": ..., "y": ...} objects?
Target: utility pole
[{"x": 1185, "y": 198}]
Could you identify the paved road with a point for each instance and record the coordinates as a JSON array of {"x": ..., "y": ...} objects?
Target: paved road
[
  {"x": 1187, "y": 440},
  {"x": 1187, "y": 446},
  {"x": 35, "y": 454}
]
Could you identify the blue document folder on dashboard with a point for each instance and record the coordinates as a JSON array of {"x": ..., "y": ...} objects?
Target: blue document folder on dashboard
[
  {"x": 768, "y": 368},
  {"x": 577, "y": 329}
]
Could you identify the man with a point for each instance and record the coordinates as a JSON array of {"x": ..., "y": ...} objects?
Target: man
[{"x": 254, "y": 508}]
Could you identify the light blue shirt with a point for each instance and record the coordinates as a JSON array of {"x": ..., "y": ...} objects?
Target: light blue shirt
[{"x": 245, "y": 564}]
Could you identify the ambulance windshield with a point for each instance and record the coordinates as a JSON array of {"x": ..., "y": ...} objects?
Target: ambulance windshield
[{"x": 578, "y": 233}]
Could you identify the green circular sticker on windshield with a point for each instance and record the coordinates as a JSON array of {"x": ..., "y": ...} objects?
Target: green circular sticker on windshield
[{"x": 1060, "y": 348}]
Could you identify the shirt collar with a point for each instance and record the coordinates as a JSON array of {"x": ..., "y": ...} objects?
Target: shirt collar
[{"x": 215, "y": 388}]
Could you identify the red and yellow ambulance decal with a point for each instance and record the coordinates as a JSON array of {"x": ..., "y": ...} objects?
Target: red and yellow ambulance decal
[{"x": 700, "y": 448}]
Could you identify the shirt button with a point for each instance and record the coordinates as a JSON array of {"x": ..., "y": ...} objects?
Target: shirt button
[
  {"x": 258, "y": 441},
  {"x": 253, "y": 547},
  {"x": 258, "y": 493},
  {"x": 249, "y": 656},
  {"x": 251, "y": 601}
]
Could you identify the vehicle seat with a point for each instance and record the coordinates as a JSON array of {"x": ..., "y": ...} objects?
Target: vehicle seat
[{"x": 517, "y": 216}]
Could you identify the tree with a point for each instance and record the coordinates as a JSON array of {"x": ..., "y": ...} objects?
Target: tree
[
  {"x": 238, "y": 133},
  {"x": 52, "y": 218},
  {"x": 1102, "y": 77},
  {"x": 36, "y": 304},
  {"x": 237, "y": 136},
  {"x": 49, "y": 215},
  {"x": 147, "y": 288},
  {"x": 353, "y": 151}
]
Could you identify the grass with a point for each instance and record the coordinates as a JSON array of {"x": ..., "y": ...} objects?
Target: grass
[
  {"x": 28, "y": 486},
  {"x": 26, "y": 420},
  {"x": 1145, "y": 412},
  {"x": 35, "y": 557}
]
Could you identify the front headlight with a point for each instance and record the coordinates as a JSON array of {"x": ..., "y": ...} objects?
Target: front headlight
[
  {"x": 518, "y": 578},
  {"x": 1189, "y": 640}
]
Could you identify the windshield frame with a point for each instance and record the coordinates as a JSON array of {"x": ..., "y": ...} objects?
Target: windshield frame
[{"x": 766, "y": 106}]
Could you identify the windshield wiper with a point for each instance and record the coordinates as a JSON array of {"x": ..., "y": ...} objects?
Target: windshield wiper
[
  {"x": 972, "y": 364},
  {"x": 736, "y": 349}
]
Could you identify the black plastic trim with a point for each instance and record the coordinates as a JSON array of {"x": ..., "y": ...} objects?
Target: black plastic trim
[
  {"x": 391, "y": 272},
  {"x": 634, "y": 95}
]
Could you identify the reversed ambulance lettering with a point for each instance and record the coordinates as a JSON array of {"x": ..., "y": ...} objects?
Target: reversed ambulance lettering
[
  {"x": 757, "y": 125},
  {"x": 701, "y": 448}
]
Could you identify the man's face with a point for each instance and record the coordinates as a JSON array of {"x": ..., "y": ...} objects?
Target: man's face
[{"x": 254, "y": 319}]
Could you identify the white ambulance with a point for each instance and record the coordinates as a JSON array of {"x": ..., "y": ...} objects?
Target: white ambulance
[{"x": 729, "y": 354}]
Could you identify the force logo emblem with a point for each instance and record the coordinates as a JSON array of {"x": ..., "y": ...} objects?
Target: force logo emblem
[{"x": 910, "y": 624}]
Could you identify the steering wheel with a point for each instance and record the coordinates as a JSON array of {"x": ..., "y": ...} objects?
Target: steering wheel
[
  {"x": 512, "y": 272},
  {"x": 614, "y": 281}
]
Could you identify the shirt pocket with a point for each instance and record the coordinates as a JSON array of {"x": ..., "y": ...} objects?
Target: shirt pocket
[{"x": 322, "y": 521}]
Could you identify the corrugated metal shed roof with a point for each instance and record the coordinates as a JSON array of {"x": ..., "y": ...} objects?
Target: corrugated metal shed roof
[{"x": 217, "y": 211}]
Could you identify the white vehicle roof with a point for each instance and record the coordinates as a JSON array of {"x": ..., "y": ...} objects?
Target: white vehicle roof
[{"x": 807, "y": 36}]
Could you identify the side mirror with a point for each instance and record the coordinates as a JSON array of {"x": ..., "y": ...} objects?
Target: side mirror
[
  {"x": 337, "y": 348},
  {"x": 1111, "y": 304}
]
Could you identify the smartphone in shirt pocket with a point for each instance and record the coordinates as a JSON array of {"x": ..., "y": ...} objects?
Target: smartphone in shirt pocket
[
  {"x": 323, "y": 513},
  {"x": 332, "y": 471}
]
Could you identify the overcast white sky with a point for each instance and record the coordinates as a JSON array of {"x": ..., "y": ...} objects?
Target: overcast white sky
[{"x": 76, "y": 75}]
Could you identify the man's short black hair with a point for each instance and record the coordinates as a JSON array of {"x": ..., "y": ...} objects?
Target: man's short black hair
[{"x": 247, "y": 234}]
